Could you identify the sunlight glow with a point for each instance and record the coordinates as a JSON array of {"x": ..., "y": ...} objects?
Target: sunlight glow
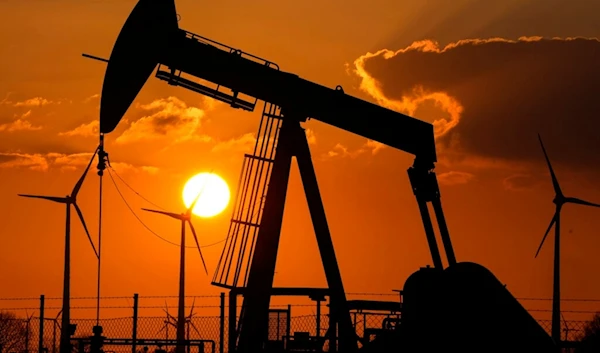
[{"x": 214, "y": 195}]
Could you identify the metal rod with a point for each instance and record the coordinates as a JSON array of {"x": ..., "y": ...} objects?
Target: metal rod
[
  {"x": 444, "y": 233},
  {"x": 231, "y": 346},
  {"x": 65, "y": 332},
  {"x": 339, "y": 304},
  {"x": 94, "y": 57},
  {"x": 135, "y": 322},
  {"x": 41, "y": 333},
  {"x": 99, "y": 253},
  {"x": 318, "y": 333},
  {"x": 254, "y": 319},
  {"x": 222, "y": 325}
]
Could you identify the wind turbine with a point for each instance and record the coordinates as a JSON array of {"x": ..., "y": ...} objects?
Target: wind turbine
[
  {"x": 190, "y": 323},
  {"x": 169, "y": 321},
  {"x": 183, "y": 217},
  {"x": 559, "y": 200},
  {"x": 68, "y": 201}
]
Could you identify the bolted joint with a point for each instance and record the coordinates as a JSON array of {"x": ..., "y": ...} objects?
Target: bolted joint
[
  {"x": 102, "y": 161},
  {"x": 424, "y": 183}
]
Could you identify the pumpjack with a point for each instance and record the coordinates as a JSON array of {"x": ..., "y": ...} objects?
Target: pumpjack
[{"x": 460, "y": 307}]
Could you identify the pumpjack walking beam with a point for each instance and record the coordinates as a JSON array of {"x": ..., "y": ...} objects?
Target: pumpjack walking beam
[{"x": 254, "y": 321}]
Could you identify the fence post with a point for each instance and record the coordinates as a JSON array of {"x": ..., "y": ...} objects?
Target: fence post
[
  {"x": 232, "y": 338},
  {"x": 41, "y": 333},
  {"x": 135, "y": 323},
  {"x": 27, "y": 333},
  {"x": 222, "y": 325},
  {"x": 289, "y": 321},
  {"x": 318, "y": 333}
]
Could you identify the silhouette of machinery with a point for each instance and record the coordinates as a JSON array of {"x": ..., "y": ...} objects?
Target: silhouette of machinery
[{"x": 463, "y": 307}]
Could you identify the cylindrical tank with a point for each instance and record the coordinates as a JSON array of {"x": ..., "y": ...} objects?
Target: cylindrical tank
[
  {"x": 465, "y": 308},
  {"x": 485, "y": 314}
]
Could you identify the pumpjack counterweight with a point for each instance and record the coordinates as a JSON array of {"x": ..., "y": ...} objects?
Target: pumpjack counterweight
[{"x": 151, "y": 37}]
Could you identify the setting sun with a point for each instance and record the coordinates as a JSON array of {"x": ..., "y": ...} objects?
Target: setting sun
[{"x": 214, "y": 194}]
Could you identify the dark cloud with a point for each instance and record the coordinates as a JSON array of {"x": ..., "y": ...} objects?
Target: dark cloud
[
  {"x": 449, "y": 21},
  {"x": 455, "y": 178},
  {"x": 499, "y": 94},
  {"x": 519, "y": 182}
]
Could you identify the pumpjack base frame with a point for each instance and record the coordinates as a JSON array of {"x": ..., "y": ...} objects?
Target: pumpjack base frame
[
  {"x": 315, "y": 294},
  {"x": 292, "y": 142},
  {"x": 147, "y": 342}
]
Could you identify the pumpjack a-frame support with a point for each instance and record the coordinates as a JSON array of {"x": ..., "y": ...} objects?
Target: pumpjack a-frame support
[{"x": 253, "y": 325}]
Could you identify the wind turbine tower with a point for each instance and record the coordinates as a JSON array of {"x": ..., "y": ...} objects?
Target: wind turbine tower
[
  {"x": 559, "y": 200},
  {"x": 184, "y": 218},
  {"x": 68, "y": 201}
]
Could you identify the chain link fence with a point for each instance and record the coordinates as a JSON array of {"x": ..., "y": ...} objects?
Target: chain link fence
[
  {"x": 572, "y": 330},
  {"x": 20, "y": 327}
]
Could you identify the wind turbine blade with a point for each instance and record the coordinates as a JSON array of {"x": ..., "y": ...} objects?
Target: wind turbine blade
[
  {"x": 192, "y": 308},
  {"x": 194, "y": 327},
  {"x": 173, "y": 215},
  {"x": 86, "y": 229},
  {"x": 563, "y": 319},
  {"x": 49, "y": 198},
  {"x": 198, "y": 245},
  {"x": 82, "y": 178},
  {"x": 557, "y": 189},
  {"x": 189, "y": 210},
  {"x": 169, "y": 316},
  {"x": 546, "y": 234},
  {"x": 581, "y": 202}
]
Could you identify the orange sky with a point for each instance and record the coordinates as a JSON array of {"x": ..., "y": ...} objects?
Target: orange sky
[{"x": 496, "y": 192}]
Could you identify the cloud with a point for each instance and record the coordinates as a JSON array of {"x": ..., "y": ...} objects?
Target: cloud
[
  {"x": 5, "y": 99},
  {"x": 520, "y": 182},
  {"x": 121, "y": 167},
  {"x": 91, "y": 98},
  {"x": 63, "y": 162},
  {"x": 339, "y": 150},
  {"x": 455, "y": 178},
  {"x": 374, "y": 146},
  {"x": 488, "y": 98},
  {"x": 33, "y": 102},
  {"x": 246, "y": 142},
  {"x": 84, "y": 130},
  {"x": 23, "y": 160},
  {"x": 311, "y": 137},
  {"x": 169, "y": 118},
  {"x": 21, "y": 124},
  {"x": 212, "y": 104}
]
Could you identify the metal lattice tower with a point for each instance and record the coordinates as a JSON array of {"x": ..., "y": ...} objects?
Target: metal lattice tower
[{"x": 234, "y": 263}]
